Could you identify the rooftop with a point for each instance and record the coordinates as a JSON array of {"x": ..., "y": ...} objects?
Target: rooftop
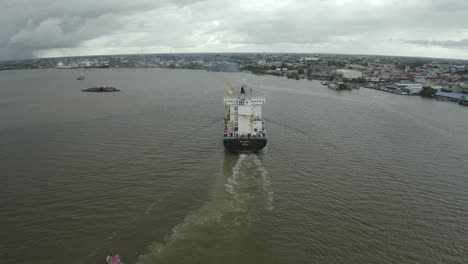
[{"x": 453, "y": 95}]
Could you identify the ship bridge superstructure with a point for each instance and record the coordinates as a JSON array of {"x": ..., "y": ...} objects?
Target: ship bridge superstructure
[{"x": 243, "y": 115}]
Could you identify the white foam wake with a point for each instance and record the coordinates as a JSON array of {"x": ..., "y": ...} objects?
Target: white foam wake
[
  {"x": 238, "y": 199},
  {"x": 233, "y": 181},
  {"x": 249, "y": 184},
  {"x": 266, "y": 184}
]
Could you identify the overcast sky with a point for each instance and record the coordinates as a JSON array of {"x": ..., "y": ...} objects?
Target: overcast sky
[{"x": 50, "y": 28}]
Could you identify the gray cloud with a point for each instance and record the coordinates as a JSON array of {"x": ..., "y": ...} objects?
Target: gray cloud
[
  {"x": 55, "y": 28},
  {"x": 463, "y": 43},
  {"x": 31, "y": 25}
]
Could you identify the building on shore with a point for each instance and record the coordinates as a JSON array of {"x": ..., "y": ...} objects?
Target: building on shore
[
  {"x": 349, "y": 74},
  {"x": 405, "y": 88},
  {"x": 61, "y": 65},
  {"x": 450, "y": 96}
]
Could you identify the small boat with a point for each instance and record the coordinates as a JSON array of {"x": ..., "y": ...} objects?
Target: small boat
[
  {"x": 81, "y": 77},
  {"x": 112, "y": 258},
  {"x": 101, "y": 89},
  {"x": 324, "y": 82}
]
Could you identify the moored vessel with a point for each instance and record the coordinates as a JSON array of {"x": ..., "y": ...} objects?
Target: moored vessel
[
  {"x": 244, "y": 127},
  {"x": 463, "y": 101}
]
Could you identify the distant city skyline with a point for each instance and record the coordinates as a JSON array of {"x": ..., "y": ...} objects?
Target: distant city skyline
[{"x": 49, "y": 28}]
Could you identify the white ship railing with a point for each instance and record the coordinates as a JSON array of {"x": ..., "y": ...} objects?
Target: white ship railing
[
  {"x": 255, "y": 136},
  {"x": 230, "y": 100}
]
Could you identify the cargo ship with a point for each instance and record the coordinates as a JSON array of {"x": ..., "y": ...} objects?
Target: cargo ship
[{"x": 244, "y": 127}]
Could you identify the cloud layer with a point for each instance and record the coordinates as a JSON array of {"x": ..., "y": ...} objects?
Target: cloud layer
[{"x": 44, "y": 28}]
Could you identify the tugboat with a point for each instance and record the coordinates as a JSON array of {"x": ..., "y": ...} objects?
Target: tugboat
[
  {"x": 244, "y": 128},
  {"x": 337, "y": 85}
]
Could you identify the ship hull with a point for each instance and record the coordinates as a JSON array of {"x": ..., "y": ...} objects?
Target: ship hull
[{"x": 244, "y": 145}]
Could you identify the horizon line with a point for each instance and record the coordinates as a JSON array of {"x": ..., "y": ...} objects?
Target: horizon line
[{"x": 214, "y": 53}]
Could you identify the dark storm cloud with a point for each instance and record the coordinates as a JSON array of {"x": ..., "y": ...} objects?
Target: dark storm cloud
[
  {"x": 29, "y": 25},
  {"x": 55, "y": 28}
]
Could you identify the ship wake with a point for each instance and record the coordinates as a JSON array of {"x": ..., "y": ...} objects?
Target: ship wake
[
  {"x": 249, "y": 185},
  {"x": 241, "y": 195}
]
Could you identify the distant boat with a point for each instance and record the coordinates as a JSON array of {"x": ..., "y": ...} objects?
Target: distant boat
[
  {"x": 81, "y": 77},
  {"x": 337, "y": 85},
  {"x": 101, "y": 89}
]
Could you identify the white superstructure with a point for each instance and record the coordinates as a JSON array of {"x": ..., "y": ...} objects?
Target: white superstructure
[
  {"x": 349, "y": 74},
  {"x": 411, "y": 88},
  {"x": 243, "y": 115}
]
